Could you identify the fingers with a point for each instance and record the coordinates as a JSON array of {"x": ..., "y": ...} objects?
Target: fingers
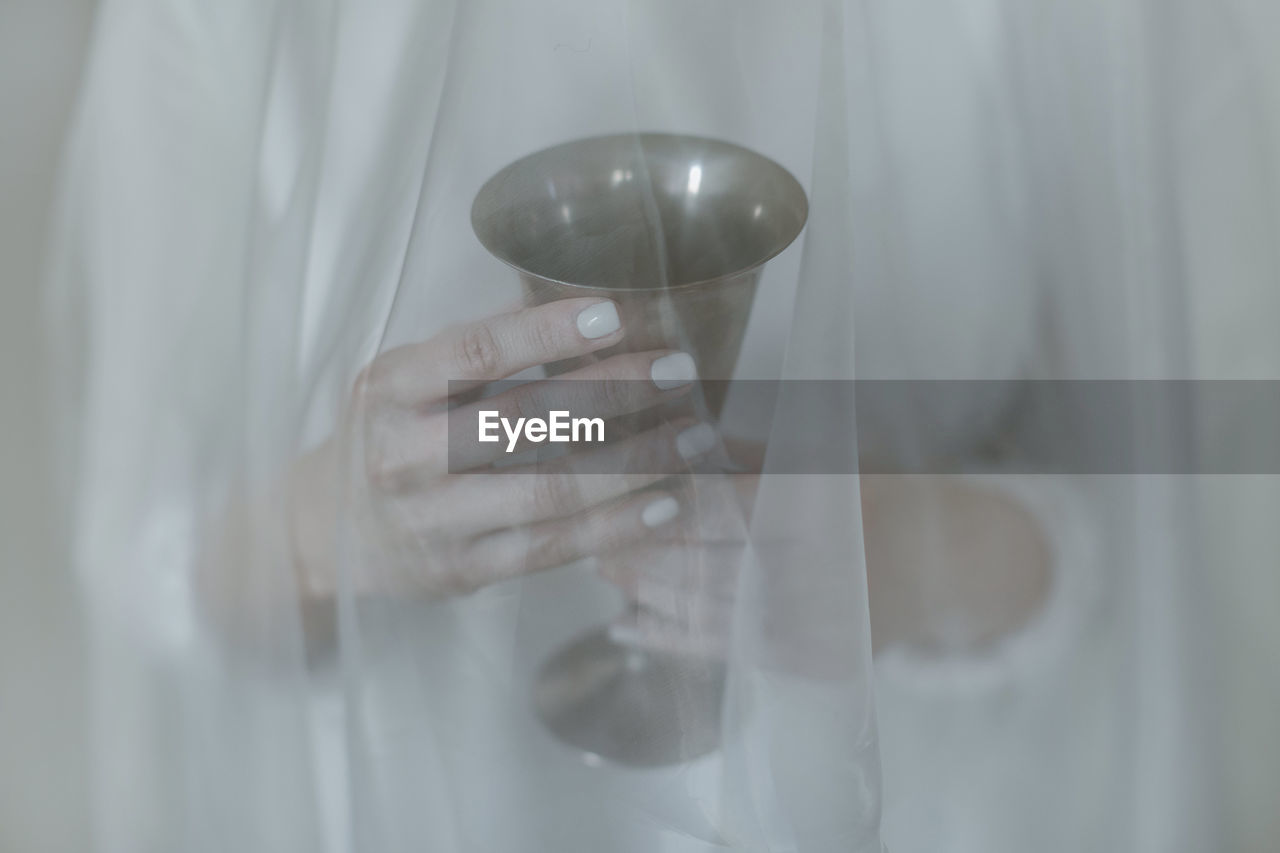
[
  {"x": 717, "y": 513},
  {"x": 720, "y": 508},
  {"x": 493, "y": 349},
  {"x": 683, "y": 596},
  {"x": 619, "y": 385},
  {"x": 669, "y": 570},
  {"x": 405, "y": 447},
  {"x": 516, "y": 551},
  {"x": 684, "y": 581},
  {"x": 474, "y": 503},
  {"x": 702, "y": 632}
]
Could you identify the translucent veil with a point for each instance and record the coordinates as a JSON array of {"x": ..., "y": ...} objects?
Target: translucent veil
[{"x": 264, "y": 199}]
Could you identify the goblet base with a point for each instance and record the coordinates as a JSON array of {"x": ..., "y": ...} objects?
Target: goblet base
[{"x": 628, "y": 706}]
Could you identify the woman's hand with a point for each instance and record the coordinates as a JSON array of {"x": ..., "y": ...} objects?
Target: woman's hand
[
  {"x": 424, "y": 530},
  {"x": 682, "y": 582}
]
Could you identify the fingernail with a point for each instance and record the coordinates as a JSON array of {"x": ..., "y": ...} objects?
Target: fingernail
[
  {"x": 696, "y": 440},
  {"x": 661, "y": 511},
  {"x": 672, "y": 371},
  {"x": 599, "y": 320}
]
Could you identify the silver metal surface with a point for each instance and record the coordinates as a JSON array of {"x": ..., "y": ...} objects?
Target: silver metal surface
[
  {"x": 632, "y": 707},
  {"x": 675, "y": 230}
]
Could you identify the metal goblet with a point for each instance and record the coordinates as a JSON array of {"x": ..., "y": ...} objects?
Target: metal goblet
[{"x": 675, "y": 230}]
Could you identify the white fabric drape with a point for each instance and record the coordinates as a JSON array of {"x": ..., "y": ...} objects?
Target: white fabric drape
[{"x": 261, "y": 197}]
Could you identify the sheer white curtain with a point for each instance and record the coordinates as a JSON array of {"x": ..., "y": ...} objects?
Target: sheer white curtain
[{"x": 261, "y": 198}]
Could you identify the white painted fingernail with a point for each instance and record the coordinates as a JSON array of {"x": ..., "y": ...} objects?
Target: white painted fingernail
[
  {"x": 696, "y": 440},
  {"x": 672, "y": 371},
  {"x": 661, "y": 511},
  {"x": 599, "y": 320}
]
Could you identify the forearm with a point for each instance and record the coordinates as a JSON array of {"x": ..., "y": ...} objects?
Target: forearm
[{"x": 266, "y": 564}]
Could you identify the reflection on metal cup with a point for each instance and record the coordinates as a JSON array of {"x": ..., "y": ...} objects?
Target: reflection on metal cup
[{"x": 674, "y": 229}]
